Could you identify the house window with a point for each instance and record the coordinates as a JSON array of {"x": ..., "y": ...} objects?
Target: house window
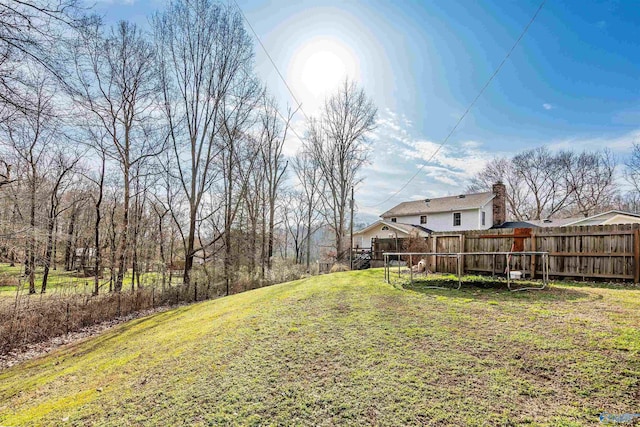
[
  {"x": 484, "y": 217},
  {"x": 457, "y": 220},
  {"x": 423, "y": 219},
  {"x": 394, "y": 219}
]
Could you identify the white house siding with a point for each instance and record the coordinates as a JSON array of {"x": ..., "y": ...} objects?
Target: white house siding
[
  {"x": 443, "y": 221},
  {"x": 622, "y": 219},
  {"x": 413, "y": 219},
  {"x": 488, "y": 208},
  {"x": 610, "y": 219},
  {"x": 363, "y": 240}
]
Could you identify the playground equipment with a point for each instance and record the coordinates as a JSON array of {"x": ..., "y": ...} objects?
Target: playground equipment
[{"x": 511, "y": 277}]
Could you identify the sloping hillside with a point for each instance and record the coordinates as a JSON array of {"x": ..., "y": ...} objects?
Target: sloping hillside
[{"x": 348, "y": 349}]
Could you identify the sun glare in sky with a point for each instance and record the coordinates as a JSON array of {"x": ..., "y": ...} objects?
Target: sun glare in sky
[{"x": 319, "y": 66}]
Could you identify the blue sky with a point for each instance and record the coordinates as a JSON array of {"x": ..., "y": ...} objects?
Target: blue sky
[{"x": 572, "y": 82}]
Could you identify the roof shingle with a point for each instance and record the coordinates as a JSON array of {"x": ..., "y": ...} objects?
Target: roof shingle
[{"x": 440, "y": 204}]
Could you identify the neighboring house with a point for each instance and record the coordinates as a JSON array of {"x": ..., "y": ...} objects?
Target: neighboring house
[
  {"x": 387, "y": 230},
  {"x": 477, "y": 211},
  {"x": 605, "y": 218}
]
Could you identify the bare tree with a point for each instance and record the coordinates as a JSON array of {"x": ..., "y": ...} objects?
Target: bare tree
[
  {"x": 542, "y": 184},
  {"x": 112, "y": 235},
  {"x": 118, "y": 85},
  {"x": 141, "y": 189},
  {"x": 309, "y": 177},
  {"x": 30, "y": 33},
  {"x": 204, "y": 57},
  {"x": 295, "y": 210},
  {"x": 274, "y": 135},
  {"x": 101, "y": 148},
  {"x": 30, "y": 136},
  {"x": 62, "y": 170},
  {"x": 217, "y": 196},
  {"x": 632, "y": 171},
  {"x": 167, "y": 202},
  {"x": 590, "y": 178},
  {"x": 544, "y": 176},
  {"x": 338, "y": 145},
  {"x": 502, "y": 169},
  {"x": 238, "y": 157},
  {"x": 161, "y": 212},
  {"x": 629, "y": 201},
  {"x": 253, "y": 201},
  {"x": 5, "y": 175}
]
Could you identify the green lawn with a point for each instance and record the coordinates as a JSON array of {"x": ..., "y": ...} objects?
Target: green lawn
[
  {"x": 348, "y": 349},
  {"x": 61, "y": 281},
  {"x": 11, "y": 277}
]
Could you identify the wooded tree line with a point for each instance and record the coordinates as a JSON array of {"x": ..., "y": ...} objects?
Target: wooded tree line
[
  {"x": 542, "y": 183},
  {"x": 126, "y": 149}
]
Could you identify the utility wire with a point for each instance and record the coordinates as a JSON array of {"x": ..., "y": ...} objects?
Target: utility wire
[
  {"x": 495, "y": 73},
  {"x": 299, "y": 105}
]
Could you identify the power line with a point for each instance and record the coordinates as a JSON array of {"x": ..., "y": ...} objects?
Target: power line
[
  {"x": 299, "y": 105},
  {"x": 495, "y": 73}
]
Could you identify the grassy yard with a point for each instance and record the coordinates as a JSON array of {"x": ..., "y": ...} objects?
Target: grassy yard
[
  {"x": 349, "y": 349},
  {"x": 59, "y": 281}
]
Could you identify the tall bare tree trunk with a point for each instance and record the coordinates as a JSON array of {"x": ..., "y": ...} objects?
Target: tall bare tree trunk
[
  {"x": 69, "y": 250},
  {"x": 338, "y": 145},
  {"x": 122, "y": 249},
  {"x": 189, "y": 253},
  {"x": 31, "y": 254},
  {"x": 47, "y": 253},
  {"x": 309, "y": 224},
  {"x": 96, "y": 229},
  {"x": 263, "y": 245}
]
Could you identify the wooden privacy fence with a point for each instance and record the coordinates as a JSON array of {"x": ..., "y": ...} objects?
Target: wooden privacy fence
[{"x": 593, "y": 252}]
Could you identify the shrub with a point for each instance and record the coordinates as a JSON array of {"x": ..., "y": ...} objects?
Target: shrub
[
  {"x": 34, "y": 318},
  {"x": 337, "y": 267},
  {"x": 415, "y": 244}
]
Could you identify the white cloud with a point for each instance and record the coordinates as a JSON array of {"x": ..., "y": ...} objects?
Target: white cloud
[
  {"x": 293, "y": 143},
  {"x": 398, "y": 154},
  {"x": 621, "y": 144},
  {"x": 547, "y": 106},
  {"x": 467, "y": 157}
]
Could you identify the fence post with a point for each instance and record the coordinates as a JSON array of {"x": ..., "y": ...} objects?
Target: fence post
[
  {"x": 533, "y": 257},
  {"x": 153, "y": 296},
  {"x": 636, "y": 255},
  {"x": 195, "y": 291},
  {"x": 411, "y": 267},
  {"x": 434, "y": 249},
  {"x": 461, "y": 270}
]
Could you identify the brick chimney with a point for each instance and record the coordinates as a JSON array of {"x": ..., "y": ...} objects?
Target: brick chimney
[{"x": 499, "y": 203}]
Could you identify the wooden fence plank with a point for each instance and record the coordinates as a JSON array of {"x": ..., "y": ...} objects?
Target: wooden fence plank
[
  {"x": 532, "y": 246},
  {"x": 604, "y": 252},
  {"x": 593, "y": 254},
  {"x": 636, "y": 256}
]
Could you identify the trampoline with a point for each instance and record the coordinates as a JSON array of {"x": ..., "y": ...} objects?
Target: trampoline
[{"x": 544, "y": 256}]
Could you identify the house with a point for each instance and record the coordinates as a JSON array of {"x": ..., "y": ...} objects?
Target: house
[
  {"x": 611, "y": 217},
  {"x": 387, "y": 229},
  {"x": 476, "y": 211}
]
